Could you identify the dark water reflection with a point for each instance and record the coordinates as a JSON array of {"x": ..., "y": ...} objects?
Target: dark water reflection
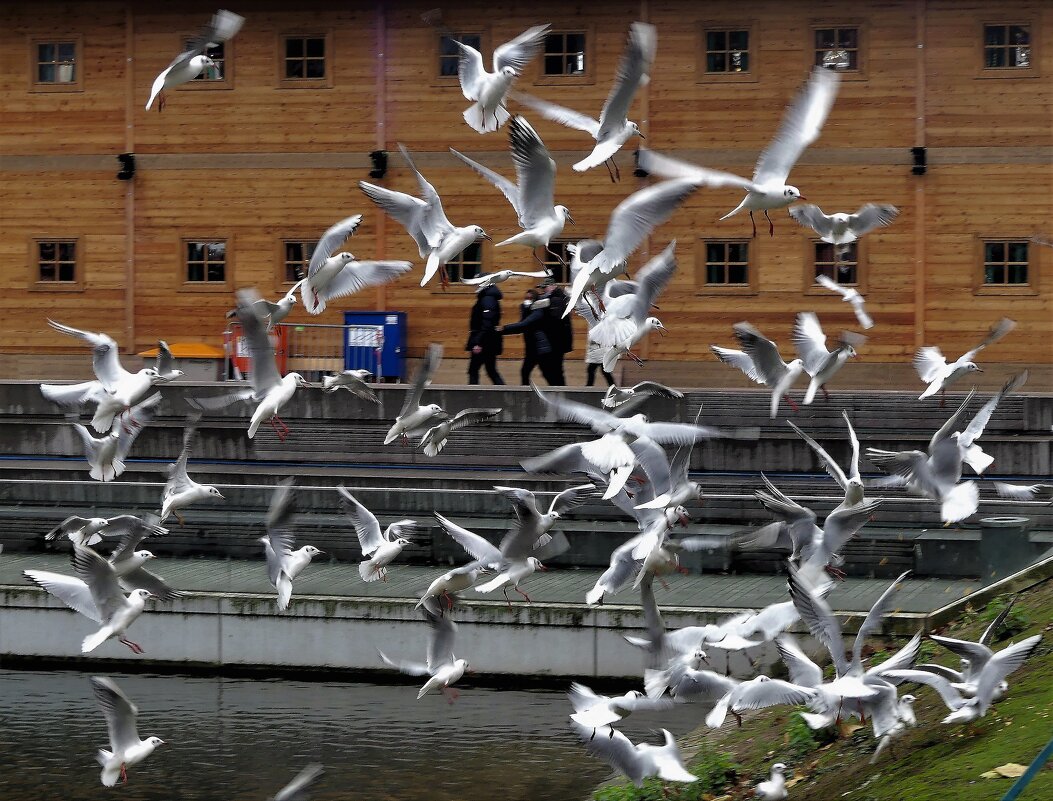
[{"x": 234, "y": 739}]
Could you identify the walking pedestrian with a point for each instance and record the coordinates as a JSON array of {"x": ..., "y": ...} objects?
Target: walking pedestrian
[
  {"x": 484, "y": 341},
  {"x": 529, "y": 344}
]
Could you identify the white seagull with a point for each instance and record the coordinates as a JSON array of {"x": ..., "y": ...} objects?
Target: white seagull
[
  {"x": 601, "y": 710},
  {"x": 424, "y": 219},
  {"x": 613, "y": 129},
  {"x": 270, "y": 390},
  {"x": 354, "y": 381},
  {"x": 296, "y": 790},
  {"x": 180, "y": 490},
  {"x": 165, "y": 363},
  {"x": 106, "y": 454},
  {"x": 616, "y": 395},
  {"x": 95, "y": 593},
  {"x": 636, "y": 762},
  {"x": 774, "y": 789},
  {"x": 275, "y": 312},
  {"x": 442, "y": 667},
  {"x": 819, "y": 363},
  {"x": 489, "y": 89},
  {"x": 630, "y": 224},
  {"x": 848, "y": 295},
  {"x": 759, "y": 359},
  {"x": 532, "y": 195},
  {"x": 379, "y": 548},
  {"x": 850, "y": 481},
  {"x": 283, "y": 562},
  {"x": 934, "y": 370},
  {"x": 489, "y": 279},
  {"x": 193, "y": 61},
  {"x": 115, "y": 391},
  {"x": 332, "y": 275},
  {"x": 760, "y": 692},
  {"x": 414, "y": 419},
  {"x": 85, "y": 531},
  {"x": 841, "y": 229},
  {"x": 435, "y": 438},
  {"x": 126, "y": 748},
  {"x": 1025, "y": 492},
  {"x": 627, "y": 318},
  {"x": 801, "y": 125}
]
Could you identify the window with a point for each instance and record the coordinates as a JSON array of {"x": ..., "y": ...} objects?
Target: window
[
  {"x": 727, "y": 51},
  {"x": 218, "y": 54},
  {"x": 1005, "y": 263},
  {"x": 206, "y": 261},
  {"x": 560, "y": 270},
  {"x": 837, "y": 49},
  {"x": 56, "y": 261},
  {"x": 727, "y": 264},
  {"x": 296, "y": 258},
  {"x": 1007, "y": 47},
  {"x": 53, "y": 65},
  {"x": 303, "y": 60},
  {"x": 843, "y": 270},
  {"x": 450, "y": 53},
  {"x": 565, "y": 53},
  {"x": 466, "y": 265}
]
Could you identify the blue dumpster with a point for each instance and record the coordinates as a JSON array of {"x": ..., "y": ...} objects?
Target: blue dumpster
[{"x": 376, "y": 341}]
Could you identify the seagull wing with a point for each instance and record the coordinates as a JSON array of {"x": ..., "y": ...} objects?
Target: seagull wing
[
  {"x": 810, "y": 342},
  {"x": 104, "y": 360},
  {"x": 903, "y": 659},
  {"x": 143, "y": 579},
  {"x": 775, "y": 692},
  {"x": 827, "y": 461},
  {"x": 582, "y": 698},
  {"x": 1000, "y": 666},
  {"x": 134, "y": 422},
  {"x": 572, "y": 498},
  {"x": 803, "y": 671},
  {"x": 636, "y": 217},
  {"x": 819, "y": 618},
  {"x": 470, "y": 70},
  {"x": 871, "y": 216},
  {"x": 365, "y": 522},
  {"x": 800, "y": 127},
  {"x": 948, "y": 428},
  {"x": 518, "y": 52},
  {"x": 571, "y": 411},
  {"x": 998, "y": 330},
  {"x": 825, "y": 280},
  {"x": 535, "y": 172},
  {"x": 177, "y": 475},
  {"x": 165, "y": 361},
  {"x": 433, "y": 221},
  {"x": 508, "y": 189},
  {"x": 405, "y": 666},
  {"x": 440, "y": 646},
  {"x": 977, "y": 654},
  {"x": 405, "y": 209},
  {"x": 614, "y": 747},
  {"x": 842, "y": 524},
  {"x": 1031, "y": 492},
  {"x": 560, "y": 114},
  {"x": 357, "y": 275},
  {"x": 264, "y": 372},
  {"x": 668, "y": 167},
  {"x": 872, "y": 622},
  {"x": 421, "y": 379},
  {"x": 653, "y": 278},
  {"x": 131, "y": 531},
  {"x": 101, "y": 579},
  {"x": 976, "y": 426},
  {"x": 295, "y": 790},
  {"x": 950, "y": 696},
  {"x": 333, "y": 238},
  {"x": 119, "y": 711},
  {"x": 739, "y": 360},
  {"x": 811, "y": 216},
  {"x": 762, "y": 352},
  {"x": 633, "y": 72},
  {"x": 73, "y": 592},
  {"x": 476, "y": 547},
  {"x": 471, "y": 417},
  {"x": 928, "y": 362}
]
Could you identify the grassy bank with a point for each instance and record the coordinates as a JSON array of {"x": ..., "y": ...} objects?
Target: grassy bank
[{"x": 933, "y": 762}]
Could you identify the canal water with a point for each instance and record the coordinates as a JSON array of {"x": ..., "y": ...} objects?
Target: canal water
[{"x": 233, "y": 739}]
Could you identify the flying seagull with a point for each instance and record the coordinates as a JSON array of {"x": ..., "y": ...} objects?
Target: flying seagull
[
  {"x": 613, "y": 129},
  {"x": 934, "y": 370},
  {"x": 841, "y": 229},
  {"x": 126, "y": 748},
  {"x": 489, "y": 89},
  {"x": 848, "y": 295},
  {"x": 192, "y": 62},
  {"x": 801, "y": 125}
]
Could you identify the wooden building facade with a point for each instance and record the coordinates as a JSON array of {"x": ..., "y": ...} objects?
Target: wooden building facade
[{"x": 945, "y": 110}]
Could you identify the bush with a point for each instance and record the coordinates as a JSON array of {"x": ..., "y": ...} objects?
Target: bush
[{"x": 801, "y": 740}]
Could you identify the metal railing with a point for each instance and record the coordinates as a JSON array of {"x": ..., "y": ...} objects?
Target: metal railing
[{"x": 311, "y": 349}]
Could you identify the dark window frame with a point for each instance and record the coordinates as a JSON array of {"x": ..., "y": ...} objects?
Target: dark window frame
[
  {"x": 75, "y": 85},
  {"x": 324, "y": 81},
  {"x": 285, "y": 263},
  {"x": 749, "y": 75},
  {"x": 1032, "y": 266},
  {"x": 587, "y": 76},
  {"x": 1033, "y": 70},
  {"x": 205, "y": 284},
  {"x": 857, "y": 73},
  {"x": 703, "y": 263},
  {"x": 38, "y": 260}
]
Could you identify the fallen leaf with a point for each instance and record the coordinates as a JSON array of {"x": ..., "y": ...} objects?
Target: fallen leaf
[
  {"x": 847, "y": 729},
  {"x": 794, "y": 781},
  {"x": 1010, "y": 770}
]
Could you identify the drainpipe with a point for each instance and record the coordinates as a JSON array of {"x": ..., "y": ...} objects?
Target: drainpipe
[
  {"x": 645, "y": 126},
  {"x": 380, "y": 90},
  {"x": 919, "y": 183},
  {"x": 129, "y": 186}
]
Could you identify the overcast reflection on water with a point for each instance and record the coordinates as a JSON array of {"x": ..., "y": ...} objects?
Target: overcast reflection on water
[{"x": 234, "y": 739}]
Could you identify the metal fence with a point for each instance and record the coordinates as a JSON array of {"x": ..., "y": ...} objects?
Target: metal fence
[{"x": 311, "y": 349}]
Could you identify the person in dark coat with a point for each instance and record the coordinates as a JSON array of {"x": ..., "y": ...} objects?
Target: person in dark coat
[
  {"x": 533, "y": 328},
  {"x": 529, "y": 345},
  {"x": 484, "y": 341},
  {"x": 560, "y": 334}
]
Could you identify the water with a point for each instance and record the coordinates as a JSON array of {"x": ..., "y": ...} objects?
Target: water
[{"x": 234, "y": 739}]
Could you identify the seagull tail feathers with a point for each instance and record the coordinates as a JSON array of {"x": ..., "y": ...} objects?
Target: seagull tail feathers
[
  {"x": 93, "y": 641},
  {"x": 366, "y": 571}
]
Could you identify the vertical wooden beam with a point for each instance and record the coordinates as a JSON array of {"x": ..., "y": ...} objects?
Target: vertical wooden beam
[
  {"x": 919, "y": 180},
  {"x": 129, "y": 186},
  {"x": 380, "y": 89},
  {"x": 645, "y": 126}
]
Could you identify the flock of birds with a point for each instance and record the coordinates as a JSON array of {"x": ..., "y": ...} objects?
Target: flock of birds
[{"x": 626, "y": 463}]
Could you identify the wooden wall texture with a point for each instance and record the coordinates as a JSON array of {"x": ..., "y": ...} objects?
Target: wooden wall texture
[{"x": 255, "y": 162}]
